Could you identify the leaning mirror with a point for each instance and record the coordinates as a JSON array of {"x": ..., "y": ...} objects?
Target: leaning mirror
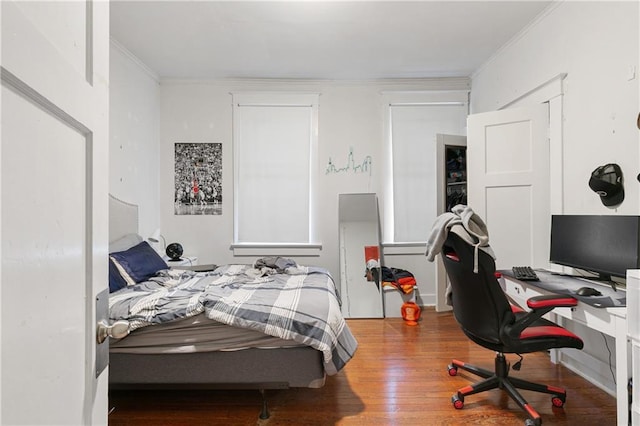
[{"x": 359, "y": 228}]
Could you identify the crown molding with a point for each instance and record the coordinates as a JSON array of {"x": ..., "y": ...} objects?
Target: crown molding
[
  {"x": 133, "y": 58},
  {"x": 430, "y": 83}
]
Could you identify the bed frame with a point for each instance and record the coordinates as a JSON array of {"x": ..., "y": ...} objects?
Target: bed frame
[{"x": 262, "y": 369}]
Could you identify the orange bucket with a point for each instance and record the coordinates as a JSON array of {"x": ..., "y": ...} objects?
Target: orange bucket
[{"x": 410, "y": 313}]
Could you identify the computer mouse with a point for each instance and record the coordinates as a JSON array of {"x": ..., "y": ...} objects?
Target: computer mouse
[{"x": 588, "y": 291}]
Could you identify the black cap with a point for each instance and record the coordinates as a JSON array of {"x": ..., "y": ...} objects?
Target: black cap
[{"x": 606, "y": 181}]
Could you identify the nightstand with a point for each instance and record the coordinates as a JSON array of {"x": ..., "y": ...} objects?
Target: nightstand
[{"x": 184, "y": 261}]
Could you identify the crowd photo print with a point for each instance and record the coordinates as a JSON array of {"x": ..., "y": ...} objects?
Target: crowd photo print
[{"x": 198, "y": 179}]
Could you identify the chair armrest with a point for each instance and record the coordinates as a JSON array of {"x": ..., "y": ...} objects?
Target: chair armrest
[
  {"x": 552, "y": 301},
  {"x": 539, "y": 305}
]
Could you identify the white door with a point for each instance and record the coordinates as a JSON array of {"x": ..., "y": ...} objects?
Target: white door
[
  {"x": 508, "y": 174},
  {"x": 54, "y": 210},
  {"x": 442, "y": 187}
]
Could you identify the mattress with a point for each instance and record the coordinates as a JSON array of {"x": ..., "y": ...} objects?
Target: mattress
[{"x": 194, "y": 334}]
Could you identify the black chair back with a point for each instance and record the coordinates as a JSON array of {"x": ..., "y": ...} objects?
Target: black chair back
[{"x": 479, "y": 304}]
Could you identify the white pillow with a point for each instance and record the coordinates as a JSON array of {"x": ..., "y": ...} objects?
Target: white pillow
[{"x": 124, "y": 243}]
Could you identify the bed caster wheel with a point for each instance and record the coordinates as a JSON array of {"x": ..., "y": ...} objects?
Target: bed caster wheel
[
  {"x": 558, "y": 401},
  {"x": 452, "y": 369},
  {"x": 457, "y": 401}
]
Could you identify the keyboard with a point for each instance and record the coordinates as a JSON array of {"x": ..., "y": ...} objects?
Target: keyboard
[{"x": 524, "y": 273}]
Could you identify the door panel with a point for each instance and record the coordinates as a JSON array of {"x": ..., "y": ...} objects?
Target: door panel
[
  {"x": 44, "y": 263},
  {"x": 54, "y": 210},
  {"x": 503, "y": 141},
  {"x": 511, "y": 240},
  {"x": 508, "y": 174}
]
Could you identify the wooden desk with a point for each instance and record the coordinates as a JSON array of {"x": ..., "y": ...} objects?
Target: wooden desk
[{"x": 610, "y": 321}]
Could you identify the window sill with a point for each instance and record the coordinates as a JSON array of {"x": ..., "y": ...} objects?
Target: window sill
[
  {"x": 284, "y": 249},
  {"x": 404, "y": 248}
]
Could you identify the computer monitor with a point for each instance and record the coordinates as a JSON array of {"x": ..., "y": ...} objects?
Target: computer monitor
[{"x": 606, "y": 245}]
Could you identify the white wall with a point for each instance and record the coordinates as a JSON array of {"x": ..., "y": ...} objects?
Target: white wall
[
  {"x": 596, "y": 44},
  {"x": 134, "y": 152},
  {"x": 351, "y": 116}
]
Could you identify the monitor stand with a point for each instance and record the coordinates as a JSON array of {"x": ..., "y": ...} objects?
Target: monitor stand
[{"x": 605, "y": 278}]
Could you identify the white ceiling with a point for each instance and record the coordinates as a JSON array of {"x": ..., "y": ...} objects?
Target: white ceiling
[{"x": 352, "y": 40}]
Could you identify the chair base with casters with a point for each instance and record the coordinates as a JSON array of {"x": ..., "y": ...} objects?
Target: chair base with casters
[{"x": 500, "y": 379}]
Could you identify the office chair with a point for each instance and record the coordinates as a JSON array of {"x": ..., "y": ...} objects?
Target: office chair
[{"x": 485, "y": 315}]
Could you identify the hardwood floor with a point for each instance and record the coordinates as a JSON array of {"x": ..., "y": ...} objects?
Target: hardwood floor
[{"x": 397, "y": 377}]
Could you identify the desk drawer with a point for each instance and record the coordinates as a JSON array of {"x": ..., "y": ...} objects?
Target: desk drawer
[{"x": 516, "y": 292}]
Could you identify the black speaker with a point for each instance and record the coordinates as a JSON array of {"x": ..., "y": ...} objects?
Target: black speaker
[{"x": 174, "y": 251}]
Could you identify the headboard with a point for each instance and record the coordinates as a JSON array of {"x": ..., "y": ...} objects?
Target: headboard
[{"x": 123, "y": 218}]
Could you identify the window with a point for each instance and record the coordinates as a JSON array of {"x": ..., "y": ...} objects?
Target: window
[
  {"x": 274, "y": 145},
  {"x": 414, "y": 119}
]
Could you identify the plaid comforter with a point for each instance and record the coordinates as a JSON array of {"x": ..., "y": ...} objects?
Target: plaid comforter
[{"x": 276, "y": 297}]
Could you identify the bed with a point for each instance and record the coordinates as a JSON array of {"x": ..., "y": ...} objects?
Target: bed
[{"x": 273, "y": 324}]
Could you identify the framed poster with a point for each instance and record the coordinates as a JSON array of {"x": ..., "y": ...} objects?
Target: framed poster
[{"x": 198, "y": 179}]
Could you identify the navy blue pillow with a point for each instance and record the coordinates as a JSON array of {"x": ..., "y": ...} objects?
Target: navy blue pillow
[
  {"x": 116, "y": 282},
  {"x": 139, "y": 263}
]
